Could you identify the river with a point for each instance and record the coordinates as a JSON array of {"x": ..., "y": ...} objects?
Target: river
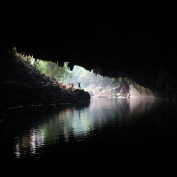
[{"x": 125, "y": 137}]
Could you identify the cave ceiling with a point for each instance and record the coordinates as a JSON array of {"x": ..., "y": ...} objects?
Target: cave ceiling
[{"x": 104, "y": 37}]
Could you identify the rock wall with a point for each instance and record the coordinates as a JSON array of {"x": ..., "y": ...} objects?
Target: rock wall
[
  {"x": 22, "y": 84},
  {"x": 119, "y": 91},
  {"x": 139, "y": 91}
]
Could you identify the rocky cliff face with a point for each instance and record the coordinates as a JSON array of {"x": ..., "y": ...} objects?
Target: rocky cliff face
[
  {"x": 125, "y": 90},
  {"x": 21, "y": 84}
]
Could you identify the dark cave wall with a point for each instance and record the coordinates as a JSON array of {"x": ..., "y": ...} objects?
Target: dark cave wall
[
  {"x": 141, "y": 55},
  {"x": 133, "y": 41},
  {"x": 152, "y": 70},
  {"x": 155, "y": 72}
]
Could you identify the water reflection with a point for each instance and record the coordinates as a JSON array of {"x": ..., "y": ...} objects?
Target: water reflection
[
  {"x": 51, "y": 126},
  {"x": 72, "y": 124}
]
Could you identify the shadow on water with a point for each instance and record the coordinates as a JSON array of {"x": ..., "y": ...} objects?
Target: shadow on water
[{"x": 111, "y": 136}]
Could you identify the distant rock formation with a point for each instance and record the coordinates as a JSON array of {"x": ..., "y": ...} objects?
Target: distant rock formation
[{"x": 118, "y": 91}]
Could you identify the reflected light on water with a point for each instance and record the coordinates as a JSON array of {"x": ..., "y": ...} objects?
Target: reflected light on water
[
  {"x": 78, "y": 124},
  {"x": 140, "y": 106},
  {"x": 30, "y": 143},
  {"x": 36, "y": 140}
]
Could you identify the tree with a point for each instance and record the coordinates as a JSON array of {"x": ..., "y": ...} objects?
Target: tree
[{"x": 52, "y": 70}]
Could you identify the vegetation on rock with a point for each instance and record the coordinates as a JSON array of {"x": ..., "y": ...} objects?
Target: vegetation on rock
[{"x": 23, "y": 84}]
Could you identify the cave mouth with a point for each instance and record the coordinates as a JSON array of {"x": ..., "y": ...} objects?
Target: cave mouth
[
  {"x": 26, "y": 80},
  {"x": 145, "y": 79},
  {"x": 97, "y": 85},
  {"x": 100, "y": 86}
]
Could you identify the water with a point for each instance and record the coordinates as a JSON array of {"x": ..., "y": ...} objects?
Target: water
[{"x": 111, "y": 136}]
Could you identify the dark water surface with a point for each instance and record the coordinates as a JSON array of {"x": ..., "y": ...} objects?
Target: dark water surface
[{"x": 115, "y": 137}]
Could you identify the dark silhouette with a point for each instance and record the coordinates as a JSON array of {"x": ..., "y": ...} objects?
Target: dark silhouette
[{"x": 79, "y": 85}]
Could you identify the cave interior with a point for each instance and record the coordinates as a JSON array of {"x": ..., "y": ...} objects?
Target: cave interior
[{"x": 135, "y": 43}]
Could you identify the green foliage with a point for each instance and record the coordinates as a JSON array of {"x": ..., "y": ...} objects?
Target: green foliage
[
  {"x": 78, "y": 74},
  {"x": 52, "y": 70}
]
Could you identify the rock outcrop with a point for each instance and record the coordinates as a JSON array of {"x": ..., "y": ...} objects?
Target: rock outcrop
[
  {"x": 22, "y": 84},
  {"x": 125, "y": 90}
]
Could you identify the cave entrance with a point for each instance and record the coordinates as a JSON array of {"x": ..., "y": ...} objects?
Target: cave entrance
[
  {"x": 97, "y": 85},
  {"x": 106, "y": 87}
]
